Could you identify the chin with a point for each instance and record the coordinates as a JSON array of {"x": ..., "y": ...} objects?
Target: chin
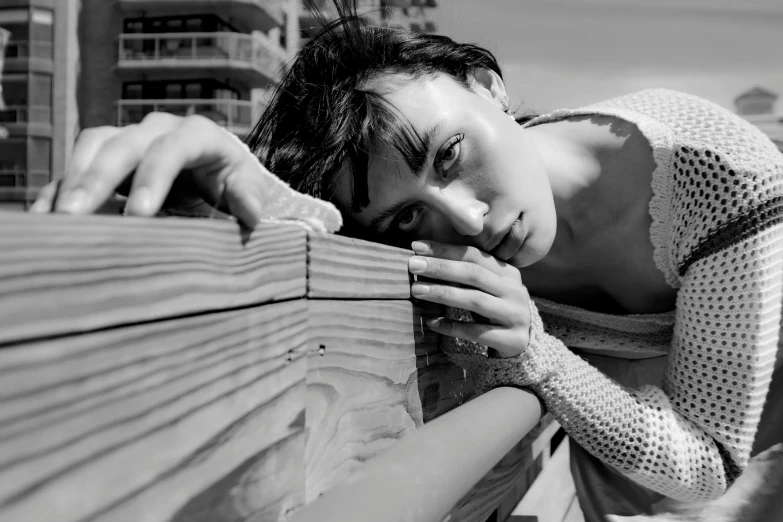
[{"x": 532, "y": 252}]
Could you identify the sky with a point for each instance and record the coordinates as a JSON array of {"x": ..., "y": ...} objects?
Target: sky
[{"x": 568, "y": 53}]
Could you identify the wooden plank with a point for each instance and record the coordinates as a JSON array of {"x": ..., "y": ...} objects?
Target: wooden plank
[
  {"x": 550, "y": 496},
  {"x": 61, "y": 274},
  {"x": 343, "y": 267},
  {"x": 491, "y": 492},
  {"x": 197, "y": 418},
  {"x": 373, "y": 375}
]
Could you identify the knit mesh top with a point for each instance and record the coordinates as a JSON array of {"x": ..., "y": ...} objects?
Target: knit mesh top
[{"x": 717, "y": 232}]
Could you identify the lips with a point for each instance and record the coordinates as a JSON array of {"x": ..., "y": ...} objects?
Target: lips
[{"x": 512, "y": 241}]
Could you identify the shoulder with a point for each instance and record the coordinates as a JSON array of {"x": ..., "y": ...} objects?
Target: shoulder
[
  {"x": 696, "y": 122},
  {"x": 718, "y": 179}
]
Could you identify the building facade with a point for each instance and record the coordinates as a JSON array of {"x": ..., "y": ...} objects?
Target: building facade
[
  {"x": 414, "y": 15},
  {"x": 39, "y": 90},
  {"x": 217, "y": 58},
  {"x": 758, "y": 107},
  {"x": 74, "y": 64}
]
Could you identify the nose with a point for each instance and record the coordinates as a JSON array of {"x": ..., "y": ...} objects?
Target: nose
[{"x": 464, "y": 211}]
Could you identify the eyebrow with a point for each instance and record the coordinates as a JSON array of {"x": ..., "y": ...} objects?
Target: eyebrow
[
  {"x": 378, "y": 220},
  {"x": 416, "y": 158}
]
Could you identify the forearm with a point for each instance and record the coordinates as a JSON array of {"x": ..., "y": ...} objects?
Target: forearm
[{"x": 637, "y": 432}]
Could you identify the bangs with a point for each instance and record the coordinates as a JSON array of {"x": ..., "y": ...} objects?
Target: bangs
[{"x": 384, "y": 128}]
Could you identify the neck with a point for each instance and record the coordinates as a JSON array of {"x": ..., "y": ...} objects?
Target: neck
[{"x": 571, "y": 156}]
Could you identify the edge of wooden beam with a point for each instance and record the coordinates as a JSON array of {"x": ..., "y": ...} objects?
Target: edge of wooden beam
[
  {"x": 62, "y": 274},
  {"x": 345, "y": 268}
]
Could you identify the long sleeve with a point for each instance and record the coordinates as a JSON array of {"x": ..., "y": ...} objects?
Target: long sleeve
[{"x": 692, "y": 437}]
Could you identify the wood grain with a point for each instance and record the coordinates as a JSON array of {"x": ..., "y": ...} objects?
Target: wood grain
[
  {"x": 199, "y": 418},
  {"x": 374, "y": 374},
  {"x": 342, "y": 267},
  {"x": 62, "y": 274}
]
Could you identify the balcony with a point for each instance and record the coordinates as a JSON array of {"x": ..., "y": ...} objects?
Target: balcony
[
  {"x": 235, "y": 115},
  {"x": 259, "y": 15},
  {"x": 22, "y": 185},
  {"x": 254, "y": 59},
  {"x": 24, "y": 115},
  {"x": 24, "y": 56}
]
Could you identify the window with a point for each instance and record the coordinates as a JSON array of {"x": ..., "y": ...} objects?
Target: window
[
  {"x": 132, "y": 91},
  {"x": 174, "y": 25},
  {"x": 40, "y": 159},
  {"x": 13, "y": 155},
  {"x": 133, "y": 26},
  {"x": 17, "y": 22},
  {"x": 194, "y": 25},
  {"x": 193, "y": 91},
  {"x": 15, "y": 89},
  {"x": 173, "y": 91},
  {"x": 42, "y": 28},
  {"x": 41, "y": 91}
]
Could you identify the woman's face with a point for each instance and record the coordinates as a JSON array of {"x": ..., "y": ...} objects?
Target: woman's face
[{"x": 483, "y": 183}]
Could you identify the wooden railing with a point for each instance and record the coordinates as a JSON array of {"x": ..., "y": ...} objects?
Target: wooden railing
[{"x": 185, "y": 370}]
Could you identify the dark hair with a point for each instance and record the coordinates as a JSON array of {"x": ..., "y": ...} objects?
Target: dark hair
[{"x": 329, "y": 111}]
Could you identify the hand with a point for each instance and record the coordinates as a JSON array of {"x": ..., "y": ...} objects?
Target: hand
[
  {"x": 481, "y": 284},
  {"x": 206, "y": 162}
]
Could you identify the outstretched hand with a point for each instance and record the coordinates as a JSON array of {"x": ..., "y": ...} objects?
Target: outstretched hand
[
  {"x": 473, "y": 280},
  {"x": 156, "y": 152}
]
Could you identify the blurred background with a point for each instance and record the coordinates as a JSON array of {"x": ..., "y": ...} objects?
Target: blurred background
[{"x": 72, "y": 64}]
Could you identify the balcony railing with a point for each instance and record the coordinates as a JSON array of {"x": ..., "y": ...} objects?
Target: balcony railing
[
  {"x": 257, "y": 14},
  {"x": 20, "y": 185},
  {"x": 26, "y": 114},
  {"x": 225, "y": 49},
  {"x": 23, "y": 50},
  {"x": 235, "y": 115}
]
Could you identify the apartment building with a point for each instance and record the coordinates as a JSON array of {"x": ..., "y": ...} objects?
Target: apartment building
[
  {"x": 216, "y": 58},
  {"x": 409, "y": 14},
  {"x": 39, "y": 89},
  {"x": 73, "y": 64}
]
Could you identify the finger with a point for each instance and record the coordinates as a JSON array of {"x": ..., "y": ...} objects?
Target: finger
[
  {"x": 113, "y": 163},
  {"x": 46, "y": 195},
  {"x": 504, "y": 341},
  {"x": 119, "y": 151},
  {"x": 195, "y": 143},
  {"x": 87, "y": 146},
  {"x": 458, "y": 253},
  {"x": 464, "y": 273},
  {"x": 491, "y": 307},
  {"x": 244, "y": 197}
]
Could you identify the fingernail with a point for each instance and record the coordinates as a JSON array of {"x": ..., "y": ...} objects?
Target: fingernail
[
  {"x": 72, "y": 201},
  {"x": 434, "y": 323},
  {"x": 140, "y": 201},
  {"x": 419, "y": 289},
  {"x": 420, "y": 247},
  {"x": 417, "y": 264}
]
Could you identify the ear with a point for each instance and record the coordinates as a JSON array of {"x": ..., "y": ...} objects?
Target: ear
[{"x": 488, "y": 84}]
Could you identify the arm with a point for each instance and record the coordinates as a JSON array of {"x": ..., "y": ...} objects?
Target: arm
[
  {"x": 185, "y": 164},
  {"x": 692, "y": 438}
]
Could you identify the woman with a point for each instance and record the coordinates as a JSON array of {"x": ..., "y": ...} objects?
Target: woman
[{"x": 649, "y": 228}]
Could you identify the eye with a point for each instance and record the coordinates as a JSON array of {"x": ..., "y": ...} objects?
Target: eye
[
  {"x": 449, "y": 153},
  {"x": 408, "y": 219}
]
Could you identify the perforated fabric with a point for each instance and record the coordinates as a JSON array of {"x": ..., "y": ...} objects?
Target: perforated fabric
[{"x": 718, "y": 237}]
